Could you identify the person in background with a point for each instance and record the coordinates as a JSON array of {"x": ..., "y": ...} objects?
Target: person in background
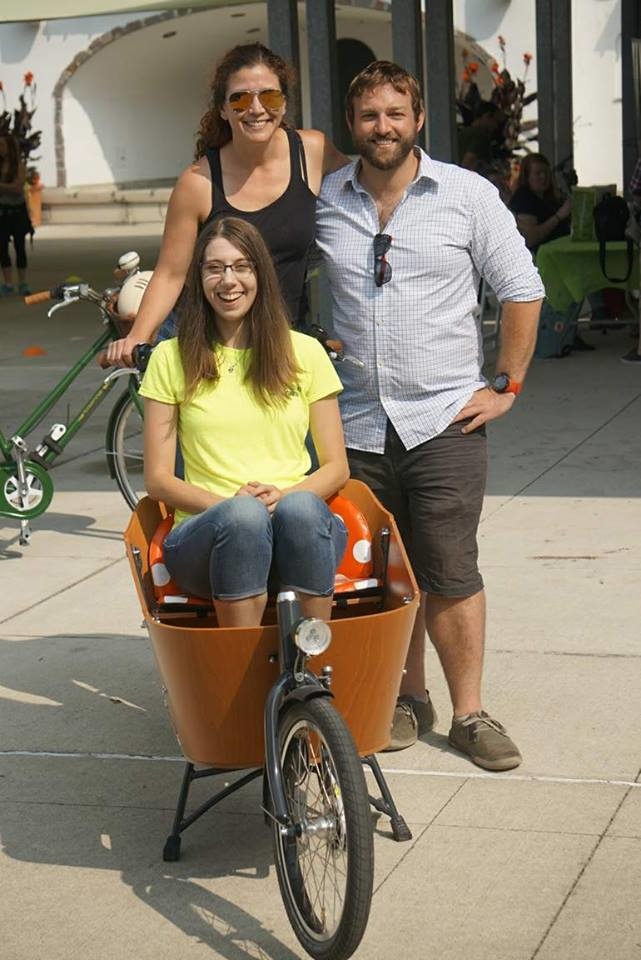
[
  {"x": 15, "y": 222},
  {"x": 541, "y": 212},
  {"x": 405, "y": 239},
  {"x": 251, "y": 164},
  {"x": 240, "y": 389},
  {"x": 634, "y": 356}
]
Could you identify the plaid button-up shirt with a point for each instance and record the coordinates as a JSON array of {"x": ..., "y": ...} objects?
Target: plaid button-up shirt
[{"x": 419, "y": 335}]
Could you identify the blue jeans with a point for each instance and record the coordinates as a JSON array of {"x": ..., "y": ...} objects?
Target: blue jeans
[
  {"x": 227, "y": 551},
  {"x": 168, "y": 329}
]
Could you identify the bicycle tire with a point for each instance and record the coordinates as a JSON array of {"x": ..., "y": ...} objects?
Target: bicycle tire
[
  {"x": 327, "y": 796},
  {"x": 123, "y": 446}
]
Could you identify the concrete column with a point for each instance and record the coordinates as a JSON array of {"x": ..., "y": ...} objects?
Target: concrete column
[
  {"x": 323, "y": 66},
  {"x": 630, "y": 86},
  {"x": 282, "y": 30},
  {"x": 554, "y": 79},
  {"x": 407, "y": 41},
  {"x": 439, "y": 69}
]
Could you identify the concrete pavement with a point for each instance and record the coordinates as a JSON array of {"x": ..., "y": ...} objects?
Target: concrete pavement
[{"x": 542, "y": 862}]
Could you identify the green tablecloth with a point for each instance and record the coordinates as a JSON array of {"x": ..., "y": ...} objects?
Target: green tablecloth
[{"x": 570, "y": 270}]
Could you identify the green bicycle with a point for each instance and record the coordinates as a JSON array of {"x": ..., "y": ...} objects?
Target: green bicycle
[{"x": 26, "y": 485}]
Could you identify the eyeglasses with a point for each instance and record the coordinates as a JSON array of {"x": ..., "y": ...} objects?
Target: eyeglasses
[
  {"x": 382, "y": 269},
  {"x": 271, "y": 100},
  {"x": 215, "y": 269}
]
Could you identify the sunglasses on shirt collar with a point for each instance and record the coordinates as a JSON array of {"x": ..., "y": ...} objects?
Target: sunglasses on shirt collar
[
  {"x": 382, "y": 269},
  {"x": 241, "y": 100}
]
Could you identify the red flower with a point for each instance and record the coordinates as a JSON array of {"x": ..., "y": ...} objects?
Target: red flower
[
  {"x": 527, "y": 59},
  {"x": 28, "y": 78},
  {"x": 466, "y": 75},
  {"x": 495, "y": 67},
  {"x": 473, "y": 66}
]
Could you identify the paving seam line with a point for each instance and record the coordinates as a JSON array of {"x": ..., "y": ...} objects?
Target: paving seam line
[
  {"x": 68, "y": 586},
  {"x": 585, "y": 866},
  {"x": 388, "y": 771},
  {"x": 416, "y": 839}
]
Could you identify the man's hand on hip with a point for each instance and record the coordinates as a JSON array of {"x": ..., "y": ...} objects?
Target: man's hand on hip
[{"x": 485, "y": 404}]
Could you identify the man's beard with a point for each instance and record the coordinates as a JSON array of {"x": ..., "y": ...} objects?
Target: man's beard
[{"x": 390, "y": 159}]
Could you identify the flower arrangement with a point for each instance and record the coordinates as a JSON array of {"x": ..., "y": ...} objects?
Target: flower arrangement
[
  {"x": 507, "y": 94},
  {"x": 18, "y": 123}
]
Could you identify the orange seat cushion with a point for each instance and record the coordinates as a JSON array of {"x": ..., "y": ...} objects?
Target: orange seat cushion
[{"x": 355, "y": 572}]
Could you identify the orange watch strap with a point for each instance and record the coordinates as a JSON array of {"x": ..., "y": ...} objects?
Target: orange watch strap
[{"x": 513, "y": 387}]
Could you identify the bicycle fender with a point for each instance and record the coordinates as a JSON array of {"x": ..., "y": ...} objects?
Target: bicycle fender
[
  {"x": 308, "y": 691},
  {"x": 111, "y": 424},
  {"x": 277, "y": 700}
]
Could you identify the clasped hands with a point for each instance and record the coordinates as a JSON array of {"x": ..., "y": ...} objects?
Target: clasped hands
[
  {"x": 267, "y": 492},
  {"x": 485, "y": 404}
]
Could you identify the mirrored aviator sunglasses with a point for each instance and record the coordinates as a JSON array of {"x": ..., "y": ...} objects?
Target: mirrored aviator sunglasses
[
  {"x": 270, "y": 100},
  {"x": 382, "y": 269}
]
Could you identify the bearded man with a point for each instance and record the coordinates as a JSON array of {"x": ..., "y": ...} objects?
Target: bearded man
[{"x": 406, "y": 240}]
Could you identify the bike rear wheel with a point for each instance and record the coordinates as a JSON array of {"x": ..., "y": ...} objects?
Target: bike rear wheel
[
  {"x": 325, "y": 872},
  {"x": 124, "y": 448}
]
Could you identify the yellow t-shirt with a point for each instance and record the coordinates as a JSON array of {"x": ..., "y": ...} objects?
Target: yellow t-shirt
[{"x": 226, "y": 435}]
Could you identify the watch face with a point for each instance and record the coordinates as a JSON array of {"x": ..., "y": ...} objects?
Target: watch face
[{"x": 501, "y": 382}]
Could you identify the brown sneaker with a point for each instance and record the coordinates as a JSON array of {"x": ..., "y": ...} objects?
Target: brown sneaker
[
  {"x": 485, "y": 741},
  {"x": 423, "y": 711},
  {"x": 412, "y": 717}
]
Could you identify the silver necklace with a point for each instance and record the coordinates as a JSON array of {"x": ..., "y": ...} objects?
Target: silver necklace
[{"x": 230, "y": 365}]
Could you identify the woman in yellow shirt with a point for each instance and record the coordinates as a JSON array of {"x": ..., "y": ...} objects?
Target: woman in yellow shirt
[{"x": 239, "y": 389}]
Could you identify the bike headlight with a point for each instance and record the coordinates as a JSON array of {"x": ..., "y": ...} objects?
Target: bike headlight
[{"x": 312, "y": 636}]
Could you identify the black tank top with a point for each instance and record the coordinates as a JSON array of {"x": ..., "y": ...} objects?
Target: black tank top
[{"x": 287, "y": 225}]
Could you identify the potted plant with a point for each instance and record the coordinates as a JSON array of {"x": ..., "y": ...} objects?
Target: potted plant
[{"x": 18, "y": 123}]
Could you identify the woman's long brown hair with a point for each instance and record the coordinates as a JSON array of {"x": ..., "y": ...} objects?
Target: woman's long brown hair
[
  {"x": 214, "y": 131},
  {"x": 272, "y": 369},
  {"x": 551, "y": 194}
]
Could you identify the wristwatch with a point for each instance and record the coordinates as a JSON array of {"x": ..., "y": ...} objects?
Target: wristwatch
[{"x": 502, "y": 384}]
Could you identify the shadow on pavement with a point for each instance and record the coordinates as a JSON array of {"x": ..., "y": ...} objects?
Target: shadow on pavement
[
  {"x": 98, "y": 694},
  {"x": 69, "y": 523},
  {"x": 118, "y": 840}
]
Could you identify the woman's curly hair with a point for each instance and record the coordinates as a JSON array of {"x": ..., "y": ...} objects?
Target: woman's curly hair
[{"x": 214, "y": 131}]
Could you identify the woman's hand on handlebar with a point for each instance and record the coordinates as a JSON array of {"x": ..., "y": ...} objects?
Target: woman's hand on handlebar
[
  {"x": 120, "y": 352},
  {"x": 267, "y": 492}
]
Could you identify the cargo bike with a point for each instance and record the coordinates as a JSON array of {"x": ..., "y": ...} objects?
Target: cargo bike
[{"x": 302, "y": 703}]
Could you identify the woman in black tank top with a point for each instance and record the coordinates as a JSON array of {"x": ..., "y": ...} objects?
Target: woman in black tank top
[
  {"x": 250, "y": 164},
  {"x": 287, "y": 224}
]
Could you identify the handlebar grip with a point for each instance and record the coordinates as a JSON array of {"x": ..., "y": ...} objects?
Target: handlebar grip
[
  {"x": 37, "y": 297},
  {"x": 140, "y": 355}
]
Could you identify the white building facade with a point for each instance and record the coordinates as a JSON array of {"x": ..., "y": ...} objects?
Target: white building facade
[{"x": 119, "y": 97}]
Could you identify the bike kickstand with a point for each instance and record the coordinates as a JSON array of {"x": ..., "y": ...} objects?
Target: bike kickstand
[
  {"x": 25, "y": 533},
  {"x": 386, "y": 805}
]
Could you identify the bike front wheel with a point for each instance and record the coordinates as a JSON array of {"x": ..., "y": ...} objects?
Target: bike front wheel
[
  {"x": 325, "y": 872},
  {"x": 124, "y": 448}
]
